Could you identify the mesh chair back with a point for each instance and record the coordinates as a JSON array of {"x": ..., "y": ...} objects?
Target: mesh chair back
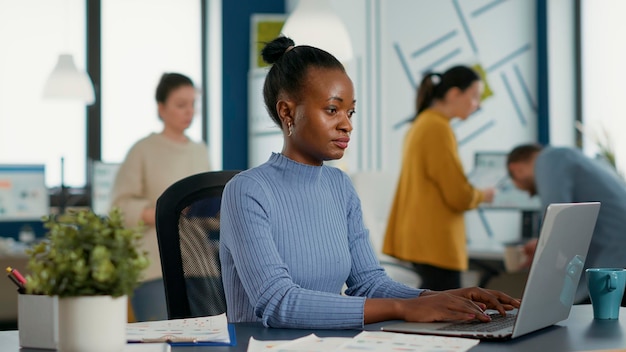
[{"x": 187, "y": 224}]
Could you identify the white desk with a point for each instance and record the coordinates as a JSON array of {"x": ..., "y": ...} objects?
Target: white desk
[{"x": 485, "y": 250}]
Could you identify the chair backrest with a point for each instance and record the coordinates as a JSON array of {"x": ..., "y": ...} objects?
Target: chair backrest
[
  {"x": 376, "y": 190},
  {"x": 187, "y": 226}
]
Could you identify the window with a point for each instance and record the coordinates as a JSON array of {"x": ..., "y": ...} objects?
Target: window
[
  {"x": 141, "y": 39},
  {"x": 33, "y": 130},
  {"x": 603, "y": 76}
]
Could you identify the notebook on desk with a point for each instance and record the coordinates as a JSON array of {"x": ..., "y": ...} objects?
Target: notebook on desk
[{"x": 551, "y": 284}]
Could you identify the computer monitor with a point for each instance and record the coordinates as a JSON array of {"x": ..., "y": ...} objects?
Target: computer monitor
[
  {"x": 23, "y": 192},
  {"x": 103, "y": 177},
  {"x": 490, "y": 171}
]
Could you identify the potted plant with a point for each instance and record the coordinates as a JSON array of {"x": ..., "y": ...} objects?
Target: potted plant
[{"x": 92, "y": 263}]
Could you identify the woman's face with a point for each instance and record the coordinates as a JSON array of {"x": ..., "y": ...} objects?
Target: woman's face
[
  {"x": 467, "y": 101},
  {"x": 178, "y": 109},
  {"x": 321, "y": 118}
]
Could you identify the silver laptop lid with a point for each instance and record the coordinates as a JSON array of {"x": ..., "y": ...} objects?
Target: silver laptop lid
[{"x": 557, "y": 265}]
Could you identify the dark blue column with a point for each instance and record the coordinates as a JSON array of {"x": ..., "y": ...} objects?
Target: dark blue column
[
  {"x": 235, "y": 60},
  {"x": 543, "y": 95}
]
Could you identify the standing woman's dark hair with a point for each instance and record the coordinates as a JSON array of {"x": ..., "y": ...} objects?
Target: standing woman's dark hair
[
  {"x": 289, "y": 68},
  {"x": 169, "y": 82},
  {"x": 434, "y": 86}
]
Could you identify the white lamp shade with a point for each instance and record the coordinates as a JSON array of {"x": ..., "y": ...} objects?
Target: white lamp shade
[
  {"x": 315, "y": 23},
  {"x": 66, "y": 82}
]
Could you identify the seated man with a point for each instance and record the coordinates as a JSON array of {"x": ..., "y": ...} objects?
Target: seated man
[{"x": 564, "y": 175}]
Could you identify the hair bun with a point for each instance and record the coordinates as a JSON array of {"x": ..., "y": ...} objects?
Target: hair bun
[{"x": 274, "y": 50}]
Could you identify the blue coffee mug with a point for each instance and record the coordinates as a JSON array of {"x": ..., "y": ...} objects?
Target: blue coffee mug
[{"x": 606, "y": 289}]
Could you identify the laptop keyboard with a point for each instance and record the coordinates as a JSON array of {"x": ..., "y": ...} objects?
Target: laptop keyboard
[{"x": 497, "y": 322}]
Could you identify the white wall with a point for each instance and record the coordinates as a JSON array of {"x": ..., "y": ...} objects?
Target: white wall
[
  {"x": 213, "y": 98},
  {"x": 562, "y": 72}
]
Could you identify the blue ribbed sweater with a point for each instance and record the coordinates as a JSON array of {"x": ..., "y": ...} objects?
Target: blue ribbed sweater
[{"x": 291, "y": 236}]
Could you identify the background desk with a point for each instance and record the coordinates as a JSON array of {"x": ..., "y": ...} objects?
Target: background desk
[
  {"x": 579, "y": 332},
  {"x": 487, "y": 259}
]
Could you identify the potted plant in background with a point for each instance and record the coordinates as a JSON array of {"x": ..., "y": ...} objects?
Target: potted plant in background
[
  {"x": 92, "y": 263},
  {"x": 604, "y": 143}
]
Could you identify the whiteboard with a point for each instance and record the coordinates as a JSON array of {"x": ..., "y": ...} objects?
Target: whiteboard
[{"x": 490, "y": 170}]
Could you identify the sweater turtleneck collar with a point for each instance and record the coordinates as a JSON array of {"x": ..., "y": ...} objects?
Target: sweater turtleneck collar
[{"x": 298, "y": 171}]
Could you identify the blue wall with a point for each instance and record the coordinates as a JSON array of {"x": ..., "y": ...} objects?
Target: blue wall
[{"x": 236, "y": 59}]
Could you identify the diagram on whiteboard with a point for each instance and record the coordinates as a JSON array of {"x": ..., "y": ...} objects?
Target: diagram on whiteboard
[{"x": 490, "y": 171}]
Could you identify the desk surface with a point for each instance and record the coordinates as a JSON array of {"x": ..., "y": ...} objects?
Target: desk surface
[{"x": 579, "y": 332}]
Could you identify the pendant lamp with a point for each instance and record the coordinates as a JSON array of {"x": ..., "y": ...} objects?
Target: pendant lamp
[
  {"x": 315, "y": 23},
  {"x": 66, "y": 82}
]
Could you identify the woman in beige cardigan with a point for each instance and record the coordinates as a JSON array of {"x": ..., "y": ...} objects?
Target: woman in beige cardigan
[{"x": 151, "y": 165}]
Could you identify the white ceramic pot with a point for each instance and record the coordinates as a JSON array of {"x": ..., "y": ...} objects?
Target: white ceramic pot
[{"x": 92, "y": 323}]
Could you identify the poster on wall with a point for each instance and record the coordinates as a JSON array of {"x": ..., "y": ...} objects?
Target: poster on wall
[{"x": 264, "y": 136}]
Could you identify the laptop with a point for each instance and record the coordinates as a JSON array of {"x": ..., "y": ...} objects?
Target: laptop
[{"x": 551, "y": 284}]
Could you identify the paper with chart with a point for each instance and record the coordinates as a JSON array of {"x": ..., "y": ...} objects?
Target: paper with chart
[
  {"x": 373, "y": 341},
  {"x": 147, "y": 347},
  {"x": 379, "y": 341},
  {"x": 309, "y": 343},
  {"x": 202, "y": 329}
]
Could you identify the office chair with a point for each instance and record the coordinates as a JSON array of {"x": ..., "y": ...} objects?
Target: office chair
[{"x": 187, "y": 226}]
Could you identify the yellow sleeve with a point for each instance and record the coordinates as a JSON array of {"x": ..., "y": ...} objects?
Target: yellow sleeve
[{"x": 444, "y": 168}]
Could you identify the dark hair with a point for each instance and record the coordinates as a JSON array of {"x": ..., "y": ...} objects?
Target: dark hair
[
  {"x": 436, "y": 85},
  {"x": 523, "y": 153},
  {"x": 169, "y": 82},
  {"x": 289, "y": 68}
]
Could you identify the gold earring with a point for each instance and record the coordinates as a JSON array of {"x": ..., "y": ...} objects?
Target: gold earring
[{"x": 290, "y": 128}]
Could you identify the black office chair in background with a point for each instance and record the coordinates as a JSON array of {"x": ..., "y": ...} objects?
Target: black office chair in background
[{"x": 187, "y": 226}]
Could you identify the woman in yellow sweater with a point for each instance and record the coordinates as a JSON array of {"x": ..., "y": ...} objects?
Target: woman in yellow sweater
[{"x": 426, "y": 223}]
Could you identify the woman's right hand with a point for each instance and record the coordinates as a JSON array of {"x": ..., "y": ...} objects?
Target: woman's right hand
[
  {"x": 435, "y": 306},
  {"x": 462, "y": 304},
  {"x": 488, "y": 194}
]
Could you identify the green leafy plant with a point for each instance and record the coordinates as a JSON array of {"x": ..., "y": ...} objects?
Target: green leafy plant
[
  {"x": 85, "y": 254},
  {"x": 606, "y": 149}
]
